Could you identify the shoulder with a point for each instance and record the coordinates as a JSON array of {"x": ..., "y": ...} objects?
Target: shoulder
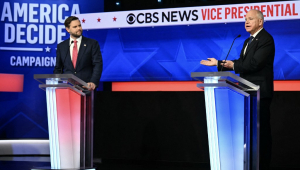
[
  {"x": 65, "y": 42},
  {"x": 264, "y": 37},
  {"x": 89, "y": 39},
  {"x": 265, "y": 34},
  {"x": 92, "y": 42}
]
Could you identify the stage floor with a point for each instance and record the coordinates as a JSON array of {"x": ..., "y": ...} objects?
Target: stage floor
[{"x": 26, "y": 163}]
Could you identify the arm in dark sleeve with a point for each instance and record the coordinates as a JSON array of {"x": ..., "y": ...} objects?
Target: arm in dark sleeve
[
  {"x": 58, "y": 69},
  {"x": 224, "y": 68},
  {"x": 264, "y": 51},
  {"x": 97, "y": 63}
]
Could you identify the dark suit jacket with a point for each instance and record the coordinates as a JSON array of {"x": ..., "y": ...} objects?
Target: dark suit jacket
[
  {"x": 89, "y": 62},
  {"x": 257, "y": 64}
]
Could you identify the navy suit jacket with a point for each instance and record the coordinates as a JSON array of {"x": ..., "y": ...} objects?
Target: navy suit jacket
[
  {"x": 256, "y": 65},
  {"x": 89, "y": 61}
]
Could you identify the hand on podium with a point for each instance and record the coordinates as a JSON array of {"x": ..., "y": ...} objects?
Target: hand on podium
[{"x": 91, "y": 86}]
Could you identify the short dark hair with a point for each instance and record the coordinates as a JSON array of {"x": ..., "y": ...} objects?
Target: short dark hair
[{"x": 69, "y": 20}]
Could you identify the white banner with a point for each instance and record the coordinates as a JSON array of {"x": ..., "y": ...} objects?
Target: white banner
[{"x": 187, "y": 16}]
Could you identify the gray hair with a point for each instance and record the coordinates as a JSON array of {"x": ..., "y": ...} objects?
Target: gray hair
[{"x": 260, "y": 15}]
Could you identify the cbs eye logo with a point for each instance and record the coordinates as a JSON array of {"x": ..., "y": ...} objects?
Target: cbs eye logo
[{"x": 130, "y": 18}]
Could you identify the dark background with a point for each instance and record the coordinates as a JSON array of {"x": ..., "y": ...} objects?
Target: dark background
[{"x": 171, "y": 127}]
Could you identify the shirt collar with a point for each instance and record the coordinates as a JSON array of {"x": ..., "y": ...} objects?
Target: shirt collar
[
  {"x": 255, "y": 34},
  {"x": 78, "y": 39}
]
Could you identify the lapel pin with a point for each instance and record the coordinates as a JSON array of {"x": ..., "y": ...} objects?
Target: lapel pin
[{"x": 84, "y": 44}]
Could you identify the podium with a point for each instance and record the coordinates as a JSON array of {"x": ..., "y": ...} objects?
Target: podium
[
  {"x": 232, "y": 113},
  {"x": 70, "y": 121}
]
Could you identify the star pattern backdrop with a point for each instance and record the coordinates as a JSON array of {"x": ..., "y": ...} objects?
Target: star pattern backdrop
[{"x": 172, "y": 53}]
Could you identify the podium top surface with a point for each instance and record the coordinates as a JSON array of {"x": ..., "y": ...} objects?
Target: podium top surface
[
  {"x": 61, "y": 78},
  {"x": 226, "y": 76}
]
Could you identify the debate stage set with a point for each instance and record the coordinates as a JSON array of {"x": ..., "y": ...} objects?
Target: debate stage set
[{"x": 156, "y": 106}]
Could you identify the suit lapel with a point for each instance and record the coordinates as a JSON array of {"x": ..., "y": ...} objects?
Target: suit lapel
[
  {"x": 243, "y": 49},
  {"x": 81, "y": 50},
  {"x": 254, "y": 42},
  {"x": 67, "y": 58}
]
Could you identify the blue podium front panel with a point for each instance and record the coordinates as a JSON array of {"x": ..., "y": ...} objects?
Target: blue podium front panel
[
  {"x": 230, "y": 126},
  {"x": 226, "y": 113}
]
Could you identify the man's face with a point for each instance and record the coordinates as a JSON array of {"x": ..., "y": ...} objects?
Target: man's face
[
  {"x": 75, "y": 29},
  {"x": 252, "y": 22}
]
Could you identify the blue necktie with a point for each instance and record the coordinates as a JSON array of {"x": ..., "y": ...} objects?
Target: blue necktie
[{"x": 250, "y": 40}]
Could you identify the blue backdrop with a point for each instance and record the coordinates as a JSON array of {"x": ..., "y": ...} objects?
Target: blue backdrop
[
  {"x": 23, "y": 26},
  {"x": 172, "y": 53}
]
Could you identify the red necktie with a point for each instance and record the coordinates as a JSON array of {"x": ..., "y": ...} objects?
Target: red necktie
[{"x": 75, "y": 54}]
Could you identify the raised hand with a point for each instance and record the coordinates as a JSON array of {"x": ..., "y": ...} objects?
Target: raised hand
[{"x": 209, "y": 62}]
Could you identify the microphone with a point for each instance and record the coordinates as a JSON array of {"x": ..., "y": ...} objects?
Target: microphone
[
  {"x": 229, "y": 51},
  {"x": 61, "y": 71}
]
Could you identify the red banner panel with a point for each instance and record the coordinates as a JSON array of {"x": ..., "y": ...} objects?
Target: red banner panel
[{"x": 11, "y": 82}]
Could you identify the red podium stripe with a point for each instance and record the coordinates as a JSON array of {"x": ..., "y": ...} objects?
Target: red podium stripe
[
  {"x": 188, "y": 86},
  {"x": 11, "y": 82}
]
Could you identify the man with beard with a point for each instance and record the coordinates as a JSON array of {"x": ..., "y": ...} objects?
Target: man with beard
[
  {"x": 79, "y": 55},
  {"x": 255, "y": 64}
]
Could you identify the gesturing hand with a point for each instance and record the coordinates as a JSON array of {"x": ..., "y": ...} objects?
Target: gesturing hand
[{"x": 209, "y": 62}]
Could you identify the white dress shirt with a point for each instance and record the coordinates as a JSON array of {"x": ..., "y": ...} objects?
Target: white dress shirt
[{"x": 72, "y": 45}]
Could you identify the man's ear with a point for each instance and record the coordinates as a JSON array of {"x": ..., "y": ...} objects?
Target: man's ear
[
  {"x": 260, "y": 22},
  {"x": 68, "y": 30}
]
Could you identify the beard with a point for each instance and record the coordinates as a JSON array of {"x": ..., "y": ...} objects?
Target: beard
[{"x": 76, "y": 35}]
